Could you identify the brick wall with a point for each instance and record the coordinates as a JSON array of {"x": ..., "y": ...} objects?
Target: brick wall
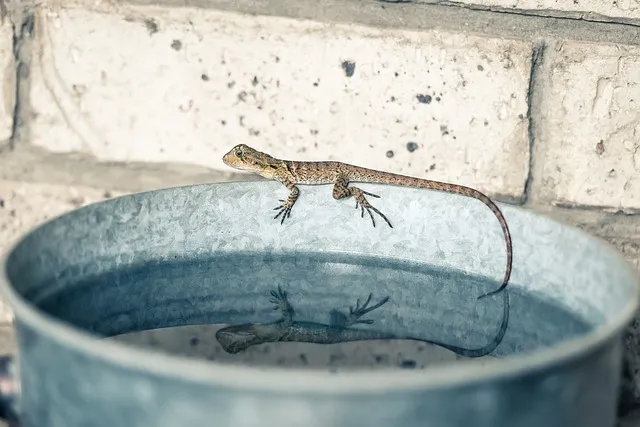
[{"x": 534, "y": 102}]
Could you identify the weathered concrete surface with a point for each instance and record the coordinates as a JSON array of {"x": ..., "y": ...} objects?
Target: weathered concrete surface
[
  {"x": 413, "y": 15},
  {"x": 7, "y": 82},
  {"x": 430, "y": 104},
  {"x": 589, "y": 128},
  {"x": 32, "y": 164},
  {"x": 616, "y": 9}
]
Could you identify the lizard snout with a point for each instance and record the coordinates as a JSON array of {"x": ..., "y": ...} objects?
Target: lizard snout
[
  {"x": 228, "y": 159},
  {"x": 235, "y": 338}
]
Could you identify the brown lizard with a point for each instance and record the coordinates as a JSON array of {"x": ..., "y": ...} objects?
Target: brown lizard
[{"x": 290, "y": 173}]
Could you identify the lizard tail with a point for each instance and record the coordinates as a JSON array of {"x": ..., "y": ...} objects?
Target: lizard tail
[
  {"x": 470, "y": 192},
  {"x": 369, "y": 175},
  {"x": 507, "y": 237},
  {"x": 495, "y": 342}
]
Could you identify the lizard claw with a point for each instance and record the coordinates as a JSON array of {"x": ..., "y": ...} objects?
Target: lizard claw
[
  {"x": 363, "y": 203},
  {"x": 358, "y": 308},
  {"x": 285, "y": 211},
  {"x": 370, "y": 194}
]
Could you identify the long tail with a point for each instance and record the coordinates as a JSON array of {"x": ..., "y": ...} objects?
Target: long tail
[
  {"x": 507, "y": 237},
  {"x": 466, "y": 191},
  {"x": 369, "y": 175},
  {"x": 346, "y": 334},
  {"x": 495, "y": 342}
]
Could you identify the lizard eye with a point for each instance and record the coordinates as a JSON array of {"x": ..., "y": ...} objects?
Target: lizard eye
[{"x": 238, "y": 153}]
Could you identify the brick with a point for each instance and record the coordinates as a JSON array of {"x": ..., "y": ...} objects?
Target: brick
[
  {"x": 184, "y": 85},
  {"x": 23, "y": 206},
  {"x": 8, "y": 79},
  {"x": 615, "y": 9},
  {"x": 590, "y": 129}
]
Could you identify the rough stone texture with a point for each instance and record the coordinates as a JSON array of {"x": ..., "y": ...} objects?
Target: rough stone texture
[
  {"x": 32, "y": 164},
  {"x": 299, "y": 89},
  {"x": 422, "y": 15},
  {"x": 614, "y": 8},
  {"x": 7, "y": 81},
  {"x": 590, "y": 129},
  {"x": 24, "y": 206}
]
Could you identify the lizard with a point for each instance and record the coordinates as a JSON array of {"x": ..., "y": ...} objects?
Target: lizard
[
  {"x": 236, "y": 338},
  {"x": 292, "y": 173}
]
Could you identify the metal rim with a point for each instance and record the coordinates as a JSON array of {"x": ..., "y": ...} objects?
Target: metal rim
[{"x": 289, "y": 381}]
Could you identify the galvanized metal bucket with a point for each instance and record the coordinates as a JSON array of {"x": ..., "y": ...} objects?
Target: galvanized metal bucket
[{"x": 210, "y": 253}]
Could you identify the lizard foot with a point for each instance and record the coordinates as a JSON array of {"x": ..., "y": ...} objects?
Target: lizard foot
[
  {"x": 284, "y": 208},
  {"x": 280, "y": 302},
  {"x": 355, "y": 313},
  {"x": 363, "y": 203}
]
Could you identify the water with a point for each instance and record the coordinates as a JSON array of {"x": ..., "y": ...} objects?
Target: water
[{"x": 425, "y": 302}]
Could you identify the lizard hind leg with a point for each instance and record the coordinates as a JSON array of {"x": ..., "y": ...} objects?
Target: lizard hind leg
[
  {"x": 341, "y": 190},
  {"x": 355, "y": 313}
]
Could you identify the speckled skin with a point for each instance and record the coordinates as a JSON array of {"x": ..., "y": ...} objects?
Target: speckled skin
[
  {"x": 290, "y": 173},
  {"x": 236, "y": 338}
]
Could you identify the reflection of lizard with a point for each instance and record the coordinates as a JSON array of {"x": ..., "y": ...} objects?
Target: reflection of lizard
[
  {"x": 340, "y": 175},
  {"x": 236, "y": 338}
]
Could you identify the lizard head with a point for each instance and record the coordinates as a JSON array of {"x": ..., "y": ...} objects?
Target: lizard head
[
  {"x": 245, "y": 158},
  {"x": 236, "y": 338}
]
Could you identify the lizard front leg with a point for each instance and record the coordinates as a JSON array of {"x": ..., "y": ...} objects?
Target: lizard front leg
[
  {"x": 287, "y": 205},
  {"x": 236, "y": 338},
  {"x": 341, "y": 190}
]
